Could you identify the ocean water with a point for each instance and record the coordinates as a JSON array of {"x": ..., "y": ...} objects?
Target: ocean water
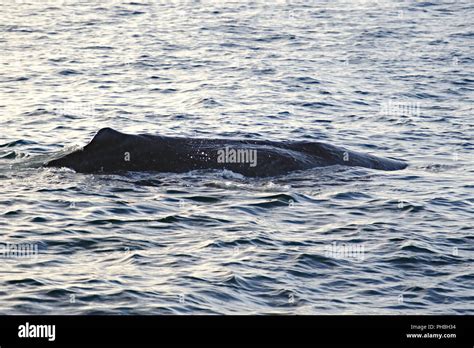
[{"x": 391, "y": 78}]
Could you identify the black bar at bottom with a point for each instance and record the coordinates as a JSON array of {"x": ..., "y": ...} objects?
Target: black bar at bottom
[{"x": 447, "y": 331}]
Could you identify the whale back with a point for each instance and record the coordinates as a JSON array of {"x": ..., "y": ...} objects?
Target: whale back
[
  {"x": 113, "y": 151},
  {"x": 326, "y": 154}
]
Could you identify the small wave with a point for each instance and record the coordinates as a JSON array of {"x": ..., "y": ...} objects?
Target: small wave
[
  {"x": 68, "y": 72},
  {"x": 416, "y": 249},
  {"x": 16, "y": 79},
  {"x": 14, "y": 155},
  {"x": 315, "y": 261},
  {"x": 317, "y": 105},
  {"x": 351, "y": 195}
]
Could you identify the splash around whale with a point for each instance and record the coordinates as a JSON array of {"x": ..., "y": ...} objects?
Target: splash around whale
[{"x": 111, "y": 151}]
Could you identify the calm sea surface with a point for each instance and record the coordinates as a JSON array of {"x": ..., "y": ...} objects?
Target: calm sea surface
[{"x": 391, "y": 78}]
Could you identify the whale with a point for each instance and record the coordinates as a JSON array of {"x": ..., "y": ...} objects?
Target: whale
[{"x": 111, "y": 151}]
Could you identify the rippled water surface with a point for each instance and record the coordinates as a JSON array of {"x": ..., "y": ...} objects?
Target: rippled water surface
[{"x": 383, "y": 77}]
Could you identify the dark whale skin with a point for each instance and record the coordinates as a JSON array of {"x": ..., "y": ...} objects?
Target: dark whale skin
[{"x": 111, "y": 151}]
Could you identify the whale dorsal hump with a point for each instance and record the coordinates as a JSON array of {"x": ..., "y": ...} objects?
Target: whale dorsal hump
[{"x": 104, "y": 136}]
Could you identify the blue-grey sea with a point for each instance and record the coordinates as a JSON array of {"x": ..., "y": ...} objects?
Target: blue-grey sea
[{"x": 390, "y": 78}]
